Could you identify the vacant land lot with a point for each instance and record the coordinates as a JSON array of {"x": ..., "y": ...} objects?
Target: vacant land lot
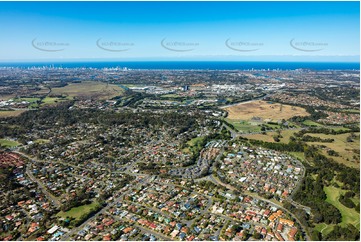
[
  {"x": 194, "y": 144},
  {"x": 8, "y": 143},
  {"x": 244, "y": 126},
  {"x": 264, "y": 110},
  {"x": 89, "y": 89},
  {"x": 268, "y": 137},
  {"x": 53, "y": 100},
  {"x": 5, "y": 114},
  {"x": 42, "y": 141},
  {"x": 77, "y": 212},
  {"x": 311, "y": 123},
  {"x": 348, "y": 151},
  {"x": 349, "y": 215}
]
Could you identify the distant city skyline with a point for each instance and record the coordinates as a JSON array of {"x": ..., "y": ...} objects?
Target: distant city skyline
[{"x": 208, "y": 31}]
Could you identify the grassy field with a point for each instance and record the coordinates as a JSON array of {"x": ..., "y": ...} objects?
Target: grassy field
[
  {"x": 349, "y": 215},
  {"x": 43, "y": 91},
  {"x": 77, "y": 212},
  {"x": 244, "y": 126},
  {"x": 28, "y": 99},
  {"x": 264, "y": 110},
  {"x": 32, "y": 100},
  {"x": 268, "y": 137},
  {"x": 311, "y": 123},
  {"x": 89, "y": 89},
  {"x": 5, "y": 114},
  {"x": 8, "y": 143},
  {"x": 54, "y": 100},
  {"x": 195, "y": 141},
  {"x": 298, "y": 155},
  {"x": 42, "y": 141},
  {"x": 170, "y": 96},
  {"x": 324, "y": 228},
  {"x": 341, "y": 146},
  {"x": 351, "y": 111},
  {"x": 336, "y": 128}
]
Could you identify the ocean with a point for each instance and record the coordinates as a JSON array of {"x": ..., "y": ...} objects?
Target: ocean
[{"x": 194, "y": 65}]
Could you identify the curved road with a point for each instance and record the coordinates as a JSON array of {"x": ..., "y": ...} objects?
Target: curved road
[{"x": 265, "y": 200}]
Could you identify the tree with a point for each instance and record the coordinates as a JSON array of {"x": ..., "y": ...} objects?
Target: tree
[{"x": 257, "y": 235}]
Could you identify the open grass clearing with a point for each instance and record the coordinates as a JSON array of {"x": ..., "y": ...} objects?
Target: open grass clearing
[
  {"x": 11, "y": 113},
  {"x": 41, "y": 141},
  {"x": 311, "y": 123},
  {"x": 8, "y": 143},
  {"x": 338, "y": 128},
  {"x": 54, "y": 100},
  {"x": 195, "y": 141},
  {"x": 170, "y": 96},
  {"x": 324, "y": 228},
  {"x": 6, "y": 97},
  {"x": 298, "y": 155},
  {"x": 89, "y": 89},
  {"x": 264, "y": 110},
  {"x": 340, "y": 145},
  {"x": 77, "y": 212},
  {"x": 351, "y": 110},
  {"x": 244, "y": 126},
  {"x": 349, "y": 215},
  {"x": 268, "y": 137},
  {"x": 27, "y": 99}
]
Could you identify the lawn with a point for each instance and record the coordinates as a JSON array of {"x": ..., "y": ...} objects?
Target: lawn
[
  {"x": 349, "y": 215},
  {"x": 89, "y": 89},
  {"x": 8, "y": 143},
  {"x": 311, "y": 123},
  {"x": 264, "y": 110},
  {"x": 340, "y": 145},
  {"x": 77, "y": 212}
]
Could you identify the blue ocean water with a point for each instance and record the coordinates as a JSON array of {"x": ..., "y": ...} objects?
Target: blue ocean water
[{"x": 195, "y": 65}]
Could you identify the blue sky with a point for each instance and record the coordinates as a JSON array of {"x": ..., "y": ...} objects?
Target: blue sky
[{"x": 189, "y": 30}]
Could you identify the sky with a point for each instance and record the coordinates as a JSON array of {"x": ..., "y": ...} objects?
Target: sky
[{"x": 298, "y": 31}]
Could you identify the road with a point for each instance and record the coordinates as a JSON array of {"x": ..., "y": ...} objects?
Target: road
[
  {"x": 234, "y": 135},
  {"x": 148, "y": 231},
  {"x": 102, "y": 211},
  {"x": 217, "y": 181},
  {"x": 50, "y": 196}
]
